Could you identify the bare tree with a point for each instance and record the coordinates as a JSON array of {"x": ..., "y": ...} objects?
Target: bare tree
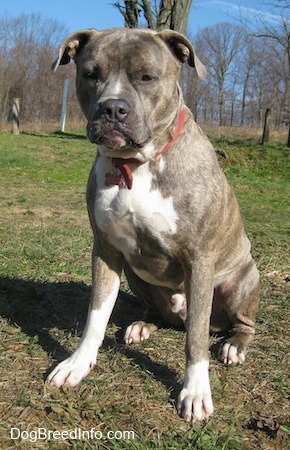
[
  {"x": 245, "y": 70},
  {"x": 281, "y": 34},
  {"x": 171, "y": 14},
  {"x": 219, "y": 46},
  {"x": 27, "y": 46},
  {"x": 274, "y": 25},
  {"x": 242, "y": 81}
]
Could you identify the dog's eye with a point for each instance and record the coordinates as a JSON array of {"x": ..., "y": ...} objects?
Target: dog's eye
[
  {"x": 144, "y": 78},
  {"x": 147, "y": 78},
  {"x": 93, "y": 75}
]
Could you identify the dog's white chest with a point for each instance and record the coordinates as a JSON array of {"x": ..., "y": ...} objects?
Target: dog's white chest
[{"x": 128, "y": 216}]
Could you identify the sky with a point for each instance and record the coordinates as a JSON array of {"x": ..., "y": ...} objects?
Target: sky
[{"x": 100, "y": 14}]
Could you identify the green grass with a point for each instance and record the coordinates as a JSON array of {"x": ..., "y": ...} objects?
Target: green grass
[{"x": 45, "y": 244}]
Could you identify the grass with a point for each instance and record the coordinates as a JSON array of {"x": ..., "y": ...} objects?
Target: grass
[{"x": 45, "y": 243}]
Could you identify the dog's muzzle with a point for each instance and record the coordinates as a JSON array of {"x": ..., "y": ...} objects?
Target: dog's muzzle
[{"x": 109, "y": 124}]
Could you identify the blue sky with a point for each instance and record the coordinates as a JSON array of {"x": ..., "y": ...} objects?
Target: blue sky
[{"x": 100, "y": 14}]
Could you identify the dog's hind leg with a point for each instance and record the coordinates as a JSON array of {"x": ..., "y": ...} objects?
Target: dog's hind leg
[
  {"x": 238, "y": 296},
  {"x": 158, "y": 308}
]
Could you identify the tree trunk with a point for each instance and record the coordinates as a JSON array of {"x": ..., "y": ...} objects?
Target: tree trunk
[
  {"x": 267, "y": 124},
  {"x": 244, "y": 98},
  {"x": 172, "y": 14},
  {"x": 130, "y": 12},
  {"x": 232, "y": 113},
  {"x": 180, "y": 15},
  {"x": 221, "y": 108},
  {"x": 164, "y": 14},
  {"x": 148, "y": 14},
  {"x": 288, "y": 142}
]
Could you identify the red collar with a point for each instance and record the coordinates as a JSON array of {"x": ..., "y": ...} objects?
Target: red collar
[
  {"x": 125, "y": 178},
  {"x": 179, "y": 126}
]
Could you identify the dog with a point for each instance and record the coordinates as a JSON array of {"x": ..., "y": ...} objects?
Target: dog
[{"x": 160, "y": 208}]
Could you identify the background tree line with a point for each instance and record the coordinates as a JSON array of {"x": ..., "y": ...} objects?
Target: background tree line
[
  {"x": 28, "y": 46},
  {"x": 248, "y": 66},
  {"x": 246, "y": 76}
]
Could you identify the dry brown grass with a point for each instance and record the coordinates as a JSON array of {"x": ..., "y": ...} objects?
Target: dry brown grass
[{"x": 246, "y": 135}]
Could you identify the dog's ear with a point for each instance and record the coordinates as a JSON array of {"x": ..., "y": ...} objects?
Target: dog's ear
[
  {"x": 71, "y": 46},
  {"x": 183, "y": 50}
]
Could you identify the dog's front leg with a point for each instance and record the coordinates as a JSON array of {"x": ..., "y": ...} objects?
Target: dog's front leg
[
  {"x": 105, "y": 288},
  {"x": 194, "y": 401}
]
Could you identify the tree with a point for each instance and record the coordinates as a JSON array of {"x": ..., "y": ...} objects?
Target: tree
[
  {"x": 219, "y": 46},
  {"x": 281, "y": 34},
  {"x": 28, "y": 44},
  {"x": 277, "y": 29},
  {"x": 170, "y": 14}
]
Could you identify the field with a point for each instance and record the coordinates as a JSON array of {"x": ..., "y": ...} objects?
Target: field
[{"x": 45, "y": 244}]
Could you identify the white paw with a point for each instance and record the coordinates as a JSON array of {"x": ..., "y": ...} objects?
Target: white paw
[
  {"x": 72, "y": 370},
  {"x": 178, "y": 305},
  {"x": 195, "y": 407},
  {"x": 194, "y": 401},
  {"x": 228, "y": 354},
  {"x": 138, "y": 331}
]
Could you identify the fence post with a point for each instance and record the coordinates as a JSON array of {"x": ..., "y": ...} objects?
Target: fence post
[
  {"x": 15, "y": 115},
  {"x": 64, "y": 104},
  {"x": 267, "y": 124}
]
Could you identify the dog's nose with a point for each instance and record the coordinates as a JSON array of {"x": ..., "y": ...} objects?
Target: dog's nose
[{"x": 115, "y": 110}]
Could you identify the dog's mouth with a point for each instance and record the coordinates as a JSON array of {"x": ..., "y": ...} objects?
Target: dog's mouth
[{"x": 114, "y": 137}]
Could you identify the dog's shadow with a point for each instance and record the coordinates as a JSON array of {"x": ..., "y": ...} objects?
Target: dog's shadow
[{"x": 39, "y": 307}]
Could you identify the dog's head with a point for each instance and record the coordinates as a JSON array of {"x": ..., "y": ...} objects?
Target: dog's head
[{"x": 127, "y": 83}]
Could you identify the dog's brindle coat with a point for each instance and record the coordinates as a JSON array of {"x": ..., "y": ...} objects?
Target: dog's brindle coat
[{"x": 177, "y": 229}]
